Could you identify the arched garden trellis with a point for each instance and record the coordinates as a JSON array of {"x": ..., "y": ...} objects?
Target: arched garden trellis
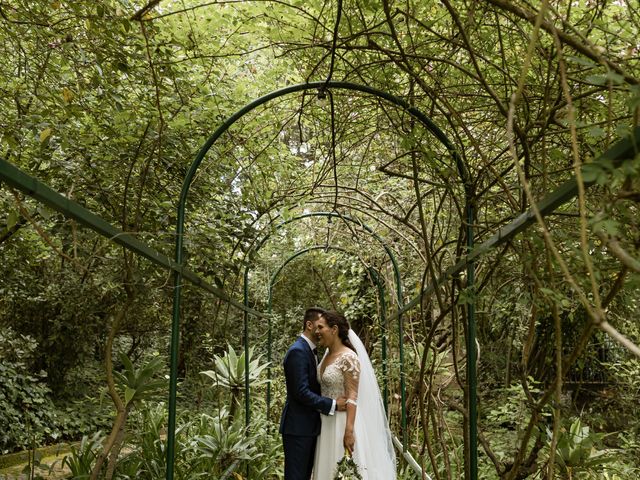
[
  {"x": 377, "y": 280},
  {"x": 624, "y": 149},
  {"x": 179, "y": 253},
  {"x": 399, "y": 295},
  {"x": 375, "y": 276}
]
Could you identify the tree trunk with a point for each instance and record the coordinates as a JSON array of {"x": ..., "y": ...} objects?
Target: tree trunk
[
  {"x": 109, "y": 444},
  {"x": 117, "y": 445},
  {"x": 121, "y": 409}
]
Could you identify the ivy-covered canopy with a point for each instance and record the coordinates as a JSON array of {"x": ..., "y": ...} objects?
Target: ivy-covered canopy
[{"x": 109, "y": 102}]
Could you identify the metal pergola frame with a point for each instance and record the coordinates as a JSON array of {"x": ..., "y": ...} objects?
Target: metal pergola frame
[
  {"x": 14, "y": 177},
  {"x": 399, "y": 295},
  {"x": 384, "y": 325},
  {"x": 179, "y": 254},
  {"x": 375, "y": 275}
]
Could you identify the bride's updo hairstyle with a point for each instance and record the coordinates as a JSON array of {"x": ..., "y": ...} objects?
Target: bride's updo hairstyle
[{"x": 337, "y": 319}]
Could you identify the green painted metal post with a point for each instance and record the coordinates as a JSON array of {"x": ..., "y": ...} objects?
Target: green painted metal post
[
  {"x": 385, "y": 361},
  {"x": 403, "y": 387},
  {"x": 175, "y": 346},
  {"x": 269, "y": 357},
  {"x": 471, "y": 353},
  {"x": 384, "y": 327},
  {"x": 247, "y": 392},
  {"x": 269, "y": 349},
  {"x": 247, "y": 403}
]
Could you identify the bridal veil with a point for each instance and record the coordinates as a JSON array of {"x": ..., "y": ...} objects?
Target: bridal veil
[{"x": 374, "y": 447}]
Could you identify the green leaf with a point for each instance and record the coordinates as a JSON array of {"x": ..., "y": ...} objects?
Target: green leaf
[
  {"x": 582, "y": 61},
  {"x": 591, "y": 172},
  {"x": 622, "y": 130},
  {"x": 12, "y": 219},
  {"x": 608, "y": 226},
  {"x": 129, "y": 393},
  {"x": 610, "y": 77},
  {"x": 597, "y": 79},
  {"x": 45, "y": 134},
  {"x": 596, "y": 132},
  {"x": 634, "y": 101},
  {"x": 44, "y": 212},
  {"x": 615, "y": 78},
  {"x": 467, "y": 295}
]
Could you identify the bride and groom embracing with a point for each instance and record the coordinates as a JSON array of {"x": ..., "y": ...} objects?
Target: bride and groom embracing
[{"x": 333, "y": 407}]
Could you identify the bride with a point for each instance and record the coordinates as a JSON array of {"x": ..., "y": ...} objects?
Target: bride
[{"x": 362, "y": 430}]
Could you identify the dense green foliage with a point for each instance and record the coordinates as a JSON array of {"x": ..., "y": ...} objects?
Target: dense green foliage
[
  {"x": 109, "y": 101},
  {"x": 26, "y": 406},
  {"x": 28, "y": 415}
]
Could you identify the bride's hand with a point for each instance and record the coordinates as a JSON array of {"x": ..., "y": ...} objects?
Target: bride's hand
[{"x": 349, "y": 441}]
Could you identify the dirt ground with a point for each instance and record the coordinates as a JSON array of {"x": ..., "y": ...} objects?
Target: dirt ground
[{"x": 54, "y": 471}]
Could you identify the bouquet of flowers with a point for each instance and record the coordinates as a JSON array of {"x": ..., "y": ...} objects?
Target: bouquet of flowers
[{"x": 347, "y": 469}]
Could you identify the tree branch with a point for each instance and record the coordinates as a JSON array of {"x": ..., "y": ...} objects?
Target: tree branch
[
  {"x": 144, "y": 10},
  {"x": 564, "y": 37}
]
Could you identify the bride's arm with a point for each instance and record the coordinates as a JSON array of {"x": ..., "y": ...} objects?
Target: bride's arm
[
  {"x": 351, "y": 374},
  {"x": 349, "y": 439}
]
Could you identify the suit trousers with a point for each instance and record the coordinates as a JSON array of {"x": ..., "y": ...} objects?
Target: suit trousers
[{"x": 299, "y": 452}]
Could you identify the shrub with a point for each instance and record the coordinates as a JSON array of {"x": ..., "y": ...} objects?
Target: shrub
[{"x": 26, "y": 409}]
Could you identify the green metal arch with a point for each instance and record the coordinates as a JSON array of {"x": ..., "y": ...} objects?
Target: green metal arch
[
  {"x": 348, "y": 218},
  {"x": 383, "y": 317},
  {"x": 384, "y": 323},
  {"x": 399, "y": 293},
  {"x": 181, "y": 208}
]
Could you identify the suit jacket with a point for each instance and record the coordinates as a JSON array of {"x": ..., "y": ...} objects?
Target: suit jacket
[{"x": 301, "y": 414}]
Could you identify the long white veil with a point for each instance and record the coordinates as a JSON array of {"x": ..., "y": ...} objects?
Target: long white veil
[{"x": 374, "y": 448}]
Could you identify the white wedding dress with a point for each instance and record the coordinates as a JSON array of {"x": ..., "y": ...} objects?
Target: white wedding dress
[{"x": 352, "y": 376}]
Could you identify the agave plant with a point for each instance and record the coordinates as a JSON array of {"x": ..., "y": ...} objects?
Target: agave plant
[
  {"x": 136, "y": 385},
  {"x": 139, "y": 384},
  {"x": 226, "y": 445},
  {"x": 146, "y": 457},
  {"x": 230, "y": 373}
]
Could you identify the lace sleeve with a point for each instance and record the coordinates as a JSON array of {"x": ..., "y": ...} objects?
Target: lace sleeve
[{"x": 350, "y": 367}]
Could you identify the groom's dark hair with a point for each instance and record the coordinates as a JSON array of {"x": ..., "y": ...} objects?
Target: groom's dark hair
[{"x": 311, "y": 315}]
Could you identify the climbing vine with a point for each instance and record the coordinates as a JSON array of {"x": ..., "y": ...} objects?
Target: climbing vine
[{"x": 109, "y": 101}]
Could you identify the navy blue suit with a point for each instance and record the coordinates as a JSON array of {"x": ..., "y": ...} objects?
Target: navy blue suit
[{"x": 300, "y": 421}]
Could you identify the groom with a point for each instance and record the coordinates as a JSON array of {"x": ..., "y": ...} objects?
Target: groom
[{"x": 300, "y": 421}]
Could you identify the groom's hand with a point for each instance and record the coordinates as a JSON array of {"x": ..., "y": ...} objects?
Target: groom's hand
[{"x": 341, "y": 404}]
